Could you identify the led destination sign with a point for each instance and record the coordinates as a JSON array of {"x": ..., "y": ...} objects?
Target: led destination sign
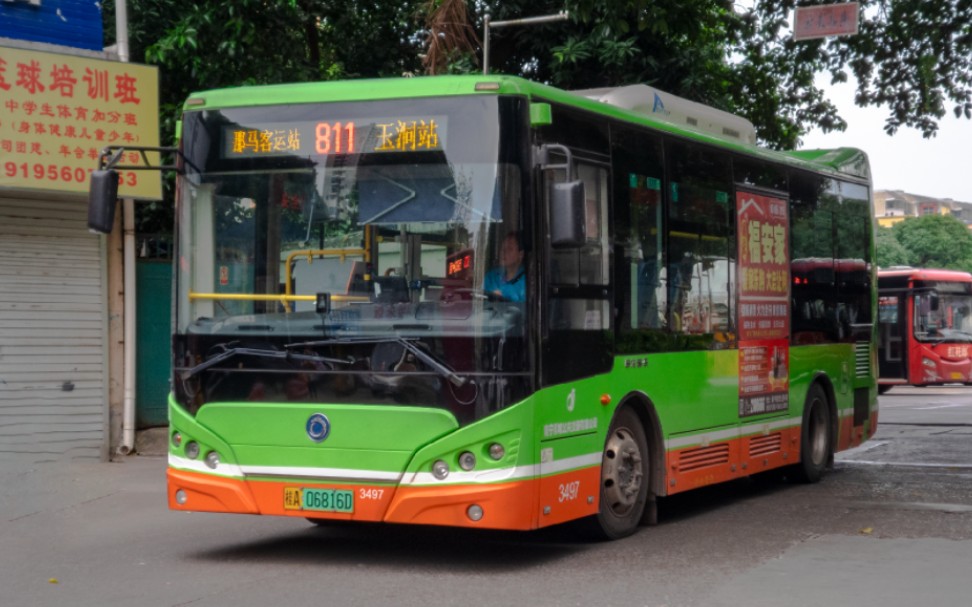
[{"x": 323, "y": 138}]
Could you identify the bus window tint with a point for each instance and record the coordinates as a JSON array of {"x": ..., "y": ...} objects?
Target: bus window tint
[
  {"x": 638, "y": 186},
  {"x": 701, "y": 243},
  {"x": 853, "y": 256},
  {"x": 813, "y": 288}
]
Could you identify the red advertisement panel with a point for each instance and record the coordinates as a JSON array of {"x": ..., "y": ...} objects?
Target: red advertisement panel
[{"x": 764, "y": 303}]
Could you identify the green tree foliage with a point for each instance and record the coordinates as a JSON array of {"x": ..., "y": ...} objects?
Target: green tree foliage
[
  {"x": 889, "y": 252},
  {"x": 935, "y": 241},
  {"x": 912, "y": 57}
]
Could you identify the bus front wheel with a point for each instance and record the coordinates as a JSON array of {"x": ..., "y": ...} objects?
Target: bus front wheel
[
  {"x": 815, "y": 437},
  {"x": 625, "y": 474}
]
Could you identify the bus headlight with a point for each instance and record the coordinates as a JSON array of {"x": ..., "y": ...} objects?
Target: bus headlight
[
  {"x": 496, "y": 451},
  {"x": 192, "y": 449},
  {"x": 212, "y": 459},
  {"x": 176, "y": 438},
  {"x": 440, "y": 469},
  {"x": 467, "y": 461},
  {"x": 929, "y": 363}
]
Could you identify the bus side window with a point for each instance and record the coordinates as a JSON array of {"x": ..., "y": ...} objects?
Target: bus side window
[
  {"x": 639, "y": 212},
  {"x": 585, "y": 265},
  {"x": 701, "y": 236}
]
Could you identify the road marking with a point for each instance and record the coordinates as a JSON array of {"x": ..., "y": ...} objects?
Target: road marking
[
  {"x": 939, "y": 407},
  {"x": 864, "y": 462},
  {"x": 950, "y": 508}
]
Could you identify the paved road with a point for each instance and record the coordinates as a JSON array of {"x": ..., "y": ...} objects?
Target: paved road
[{"x": 890, "y": 526}]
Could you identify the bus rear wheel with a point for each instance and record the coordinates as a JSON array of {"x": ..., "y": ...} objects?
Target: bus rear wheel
[
  {"x": 816, "y": 443},
  {"x": 624, "y": 478}
]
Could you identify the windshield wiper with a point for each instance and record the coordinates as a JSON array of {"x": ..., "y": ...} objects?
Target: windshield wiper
[
  {"x": 444, "y": 370},
  {"x": 228, "y": 353}
]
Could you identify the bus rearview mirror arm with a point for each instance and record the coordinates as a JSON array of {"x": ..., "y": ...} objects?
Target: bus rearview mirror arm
[{"x": 103, "y": 188}]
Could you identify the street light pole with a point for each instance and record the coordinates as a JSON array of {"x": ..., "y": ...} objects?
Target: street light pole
[{"x": 487, "y": 24}]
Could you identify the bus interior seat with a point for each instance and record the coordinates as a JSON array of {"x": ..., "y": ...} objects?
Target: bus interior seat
[
  {"x": 391, "y": 289},
  {"x": 357, "y": 285}
]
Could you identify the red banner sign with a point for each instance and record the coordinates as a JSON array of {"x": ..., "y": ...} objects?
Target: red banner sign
[
  {"x": 825, "y": 20},
  {"x": 764, "y": 303}
]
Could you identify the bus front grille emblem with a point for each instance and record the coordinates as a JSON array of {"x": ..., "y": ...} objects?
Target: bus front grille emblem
[{"x": 318, "y": 427}]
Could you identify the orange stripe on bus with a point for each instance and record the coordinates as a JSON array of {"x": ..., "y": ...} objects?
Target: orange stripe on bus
[
  {"x": 521, "y": 505},
  {"x": 505, "y": 505},
  {"x": 209, "y": 493},
  {"x": 700, "y": 466}
]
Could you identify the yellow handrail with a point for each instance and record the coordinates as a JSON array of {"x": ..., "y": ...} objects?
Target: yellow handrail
[
  {"x": 310, "y": 253},
  {"x": 282, "y": 298}
]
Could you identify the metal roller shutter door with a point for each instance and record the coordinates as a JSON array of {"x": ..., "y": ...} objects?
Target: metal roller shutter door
[{"x": 52, "y": 332}]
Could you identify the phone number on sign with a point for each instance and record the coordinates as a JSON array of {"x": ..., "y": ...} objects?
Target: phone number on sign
[{"x": 53, "y": 172}]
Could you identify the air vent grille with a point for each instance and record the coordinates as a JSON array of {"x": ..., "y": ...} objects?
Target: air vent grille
[{"x": 703, "y": 457}]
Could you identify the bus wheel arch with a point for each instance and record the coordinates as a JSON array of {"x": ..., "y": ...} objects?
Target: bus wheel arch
[
  {"x": 632, "y": 468},
  {"x": 818, "y": 431},
  {"x": 645, "y": 410}
]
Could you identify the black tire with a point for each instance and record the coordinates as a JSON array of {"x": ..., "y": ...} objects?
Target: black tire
[
  {"x": 884, "y": 388},
  {"x": 816, "y": 439},
  {"x": 625, "y": 478}
]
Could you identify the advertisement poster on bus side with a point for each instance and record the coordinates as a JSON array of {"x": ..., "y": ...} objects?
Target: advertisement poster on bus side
[{"x": 764, "y": 304}]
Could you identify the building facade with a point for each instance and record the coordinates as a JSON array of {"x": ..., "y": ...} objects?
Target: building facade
[
  {"x": 61, "y": 103},
  {"x": 894, "y": 206}
]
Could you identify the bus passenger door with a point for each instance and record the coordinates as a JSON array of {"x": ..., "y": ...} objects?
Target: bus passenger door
[
  {"x": 892, "y": 317},
  {"x": 577, "y": 336}
]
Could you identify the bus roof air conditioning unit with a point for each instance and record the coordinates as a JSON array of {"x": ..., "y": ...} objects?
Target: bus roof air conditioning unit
[{"x": 676, "y": 111}]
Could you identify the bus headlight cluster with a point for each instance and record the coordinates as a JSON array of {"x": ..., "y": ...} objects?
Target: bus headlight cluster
[
  {"x": 468, "y": 460},
  {"x": 929, "y": 363},
  {"x": 193, "y": 450}
]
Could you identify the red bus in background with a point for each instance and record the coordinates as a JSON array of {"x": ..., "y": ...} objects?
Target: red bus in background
[{"x": 925, "y": 324}]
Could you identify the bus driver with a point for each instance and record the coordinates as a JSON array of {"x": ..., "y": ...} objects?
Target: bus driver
[{"x": 508, "y": 280}]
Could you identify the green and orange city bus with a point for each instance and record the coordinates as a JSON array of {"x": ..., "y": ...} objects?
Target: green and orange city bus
[{"x": 337, "y": 357}]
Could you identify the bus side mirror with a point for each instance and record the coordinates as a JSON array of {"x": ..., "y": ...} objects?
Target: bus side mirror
[
  {"x": 568, "y": 215},
  {"x": 102, "y": 199}
]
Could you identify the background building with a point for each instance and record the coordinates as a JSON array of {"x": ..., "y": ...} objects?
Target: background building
[
  {"x": 893, "y": 206},
  {"x": 62, "y": 100}
]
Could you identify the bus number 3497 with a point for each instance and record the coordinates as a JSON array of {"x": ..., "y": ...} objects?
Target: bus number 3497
[{"x": 569, "y": 491}]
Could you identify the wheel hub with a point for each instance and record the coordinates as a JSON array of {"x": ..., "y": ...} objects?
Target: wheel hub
[{"x": 622, "y": 473}]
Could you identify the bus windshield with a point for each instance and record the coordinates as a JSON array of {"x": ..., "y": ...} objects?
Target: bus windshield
[
  {"x": 944, "y": 313},
  {"x": 320, "y": 240}
]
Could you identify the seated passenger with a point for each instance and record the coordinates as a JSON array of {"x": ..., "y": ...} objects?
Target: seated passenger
[{"x": 508, "y": 280}]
